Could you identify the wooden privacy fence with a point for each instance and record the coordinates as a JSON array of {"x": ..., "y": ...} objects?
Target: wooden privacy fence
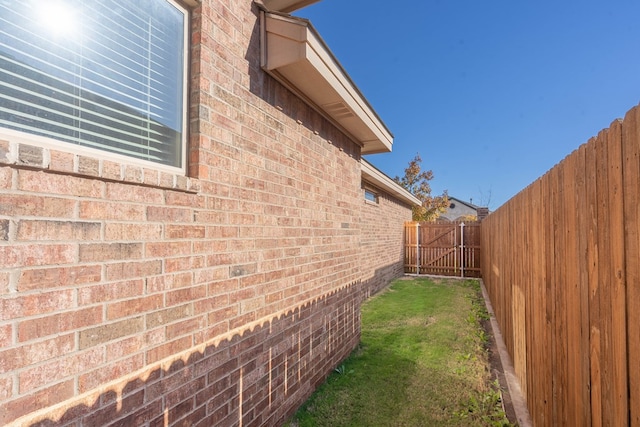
[
  {"x": 561, "y": 263},
  {"x": 445, "y": 249}
]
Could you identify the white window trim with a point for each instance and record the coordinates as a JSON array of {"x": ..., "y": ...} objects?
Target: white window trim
[
  {"x": 376, "y": 196},
  {"x": 185, "y": 84},
  {"x": 15, "y": 136},
  {"x": 55, "y": 144}
]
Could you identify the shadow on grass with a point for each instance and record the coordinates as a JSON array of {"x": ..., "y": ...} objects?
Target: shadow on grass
[{"x": 364, "y": 388}]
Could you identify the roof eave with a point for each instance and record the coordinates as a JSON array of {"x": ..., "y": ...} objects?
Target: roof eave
[
  {"x": 287, "y": 6},
  {"x": 378, "y": 179},
  {"x": 294, "y": 54}
]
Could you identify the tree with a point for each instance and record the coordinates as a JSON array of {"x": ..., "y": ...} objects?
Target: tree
[
  {"x": 416, "y": 181},
  {"x": 485, "y": 198}
]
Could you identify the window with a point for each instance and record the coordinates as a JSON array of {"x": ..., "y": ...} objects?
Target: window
[
  {"x": 106, "y": 74},
  {"x": 370, "y": 196}
]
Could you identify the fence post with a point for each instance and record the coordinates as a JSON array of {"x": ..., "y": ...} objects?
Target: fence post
[
  {"x": 417, "y": 247},
  {"x": 462, "y": 249}
]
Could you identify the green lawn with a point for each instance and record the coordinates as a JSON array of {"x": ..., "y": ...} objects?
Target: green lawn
[{"x": 421, "y": 362}]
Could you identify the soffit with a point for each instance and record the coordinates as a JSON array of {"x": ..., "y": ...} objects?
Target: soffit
[
  {"x": 294, "y": 54},
  {"x": 287, "y": 6}
]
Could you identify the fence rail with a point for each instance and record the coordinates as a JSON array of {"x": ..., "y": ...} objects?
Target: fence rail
[
  {"x": 561, "y": 263},
  {"x": 445, "y": 249}
]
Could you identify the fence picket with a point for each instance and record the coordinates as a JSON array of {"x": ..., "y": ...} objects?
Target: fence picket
[
  {"x": 617, "y": 362},
  {"x": 604, "y": 275},
  {"x": 594, "y": 290},
  {"x": 550, "y": 284},
  {"x": 578, "y": 320},
  {"x": 583, "y": 269},
  {"x": 519, "y": 303},
  {"x": 631, "y": 176},
  {"x": 540, "y": 370}
]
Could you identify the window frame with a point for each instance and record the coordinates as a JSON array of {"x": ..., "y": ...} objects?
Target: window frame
[
  {"x": 50, "y": 142},
  {"x": 375, "y": 199}
]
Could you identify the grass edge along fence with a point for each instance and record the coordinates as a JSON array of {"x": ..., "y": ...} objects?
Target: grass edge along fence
[{"x": 561, "y": 264}]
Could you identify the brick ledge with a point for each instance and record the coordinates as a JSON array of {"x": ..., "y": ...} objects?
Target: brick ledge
[{"x": 23, "y": 155}]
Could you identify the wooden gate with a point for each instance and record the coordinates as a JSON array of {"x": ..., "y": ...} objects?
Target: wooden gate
[{"x": 444, "y": 249}]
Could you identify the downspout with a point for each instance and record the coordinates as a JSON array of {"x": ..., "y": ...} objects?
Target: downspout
[{"x": 263, "y": 36}]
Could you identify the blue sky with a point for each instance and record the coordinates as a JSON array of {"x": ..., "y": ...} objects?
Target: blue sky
[{"x": 491, "y": 93}]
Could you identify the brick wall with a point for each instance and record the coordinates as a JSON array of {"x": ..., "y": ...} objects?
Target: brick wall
[
  {"x": 382, "y": 245},
  {"x": 133, "y": 296}
]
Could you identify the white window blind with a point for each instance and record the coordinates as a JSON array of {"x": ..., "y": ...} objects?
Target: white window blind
[{"x": 107, "y": 74}]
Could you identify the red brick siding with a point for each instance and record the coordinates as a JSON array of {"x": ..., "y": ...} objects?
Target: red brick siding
[
  {"x": 258, "y": 378},
  {"x": 130, "y": 295},
  {"x": 382, "y": 244}
]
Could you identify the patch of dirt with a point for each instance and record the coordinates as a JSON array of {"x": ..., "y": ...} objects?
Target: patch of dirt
[
  {"x": 497, "y": 372},
  {"x": 411, "y": 322}
]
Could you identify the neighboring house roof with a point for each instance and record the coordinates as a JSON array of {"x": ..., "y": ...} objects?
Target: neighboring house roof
[
  {"x": 458, "y": 209},
  {"x": 467, "y": 204},
  {"x": 378, "y": 179}
]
